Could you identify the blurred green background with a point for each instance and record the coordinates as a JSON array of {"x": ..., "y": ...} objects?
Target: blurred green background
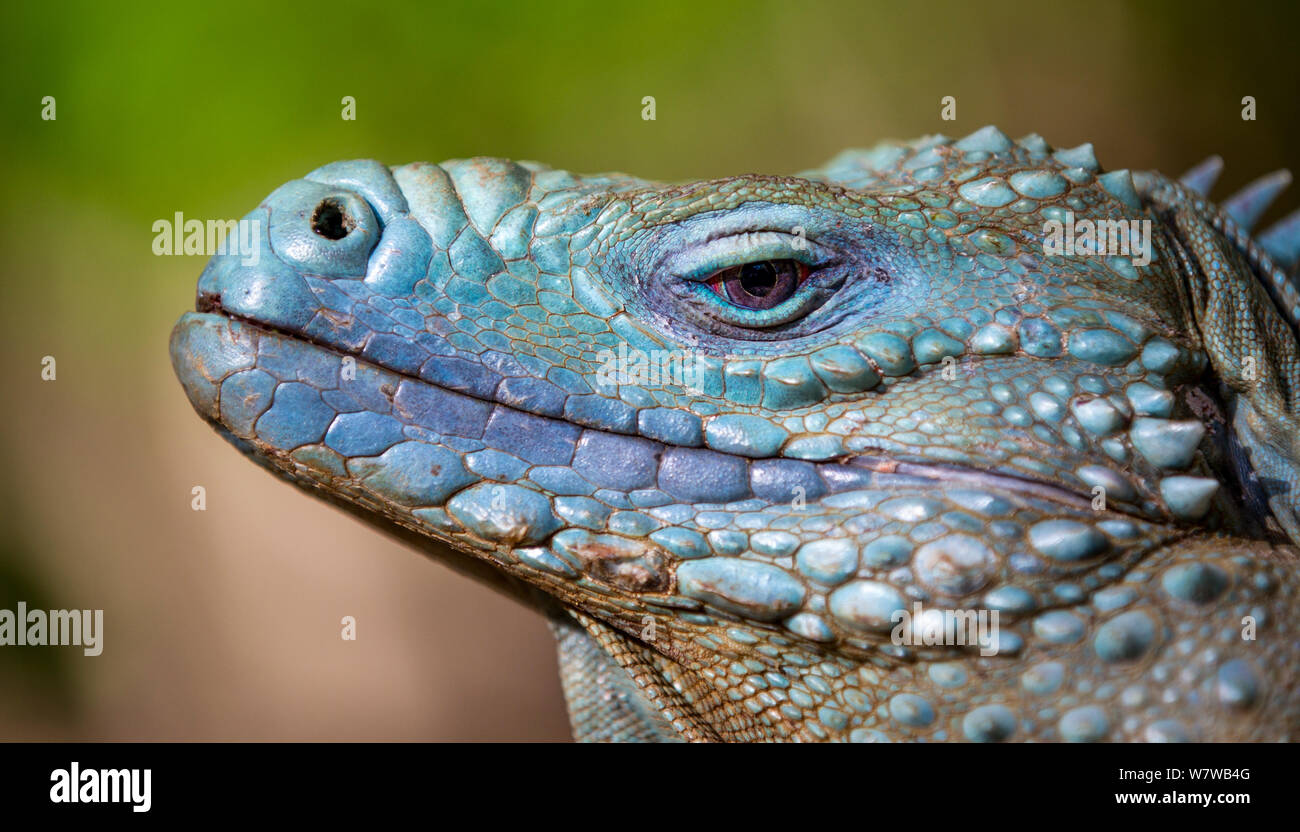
[{"x": 225, "y": 623}]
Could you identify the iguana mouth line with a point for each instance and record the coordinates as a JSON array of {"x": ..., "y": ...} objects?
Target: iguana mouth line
[
  {"x": 846, "y": 473},
  {"x": 974, "y": 477}
]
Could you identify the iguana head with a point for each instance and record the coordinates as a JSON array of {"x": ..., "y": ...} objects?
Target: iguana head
[{"x": 763, "y": 414}]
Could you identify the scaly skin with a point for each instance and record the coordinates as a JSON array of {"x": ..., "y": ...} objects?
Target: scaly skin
[{"x": 941, "y": 412}]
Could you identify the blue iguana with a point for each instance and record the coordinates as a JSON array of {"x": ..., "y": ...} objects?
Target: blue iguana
[{"x": 947, "y": 440}]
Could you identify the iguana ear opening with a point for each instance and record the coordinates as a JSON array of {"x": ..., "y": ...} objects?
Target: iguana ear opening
[{"x": 1252, "y": 349}]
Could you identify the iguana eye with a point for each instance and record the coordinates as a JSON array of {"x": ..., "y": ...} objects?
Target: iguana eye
[
  {"x": 759, "y": 285},
  {"x": 746, "y": 284}
]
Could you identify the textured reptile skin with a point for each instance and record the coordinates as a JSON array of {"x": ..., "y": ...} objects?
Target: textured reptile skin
[{"x": 941, "y": 410}]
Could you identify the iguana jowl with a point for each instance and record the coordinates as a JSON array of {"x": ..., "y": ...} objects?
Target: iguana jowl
[{"x": 832, "y": 397}]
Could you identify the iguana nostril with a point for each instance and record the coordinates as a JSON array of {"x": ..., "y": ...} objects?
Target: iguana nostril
[{"x": 331, "y": 221}]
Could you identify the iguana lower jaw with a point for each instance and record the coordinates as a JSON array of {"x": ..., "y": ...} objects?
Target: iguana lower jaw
[{"x": 732, "y": 433}]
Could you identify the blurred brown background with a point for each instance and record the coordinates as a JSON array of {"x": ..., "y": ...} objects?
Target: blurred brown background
[{"x": 224, "y": 624}]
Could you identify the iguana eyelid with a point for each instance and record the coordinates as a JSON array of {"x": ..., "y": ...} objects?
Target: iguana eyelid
[{"x": 701, "y": 262}]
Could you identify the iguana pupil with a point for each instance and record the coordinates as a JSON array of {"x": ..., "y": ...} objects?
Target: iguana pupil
[
  {"x": 760, "y": 285},
  {"x": 758, "y": 279}
]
